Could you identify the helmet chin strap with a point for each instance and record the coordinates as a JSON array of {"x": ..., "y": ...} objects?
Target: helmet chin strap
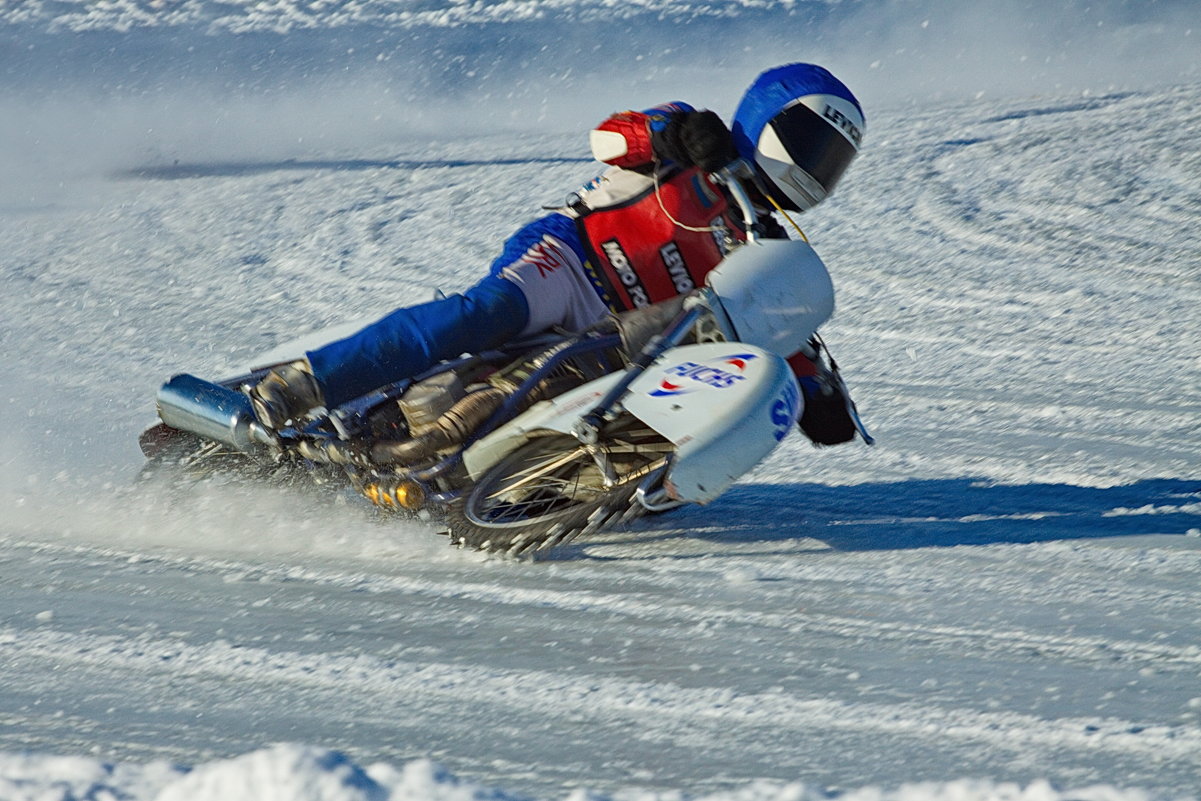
[{"x": 786, "y": 216}]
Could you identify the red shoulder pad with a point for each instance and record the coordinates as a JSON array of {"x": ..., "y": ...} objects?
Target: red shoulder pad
[{"x": 623, "y": 140}]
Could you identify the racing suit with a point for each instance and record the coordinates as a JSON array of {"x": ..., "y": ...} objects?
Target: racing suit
[{"x": 641, "y": 232}]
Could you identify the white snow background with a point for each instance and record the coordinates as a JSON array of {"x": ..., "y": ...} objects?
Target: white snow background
[{"x": 998, "y": 601}]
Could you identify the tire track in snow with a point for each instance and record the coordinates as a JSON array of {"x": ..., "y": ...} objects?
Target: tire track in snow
[
  {"x": 590, "y": 697},
  {"x": 676, "y": 615},
  {"x": 1012, "y": 184}
]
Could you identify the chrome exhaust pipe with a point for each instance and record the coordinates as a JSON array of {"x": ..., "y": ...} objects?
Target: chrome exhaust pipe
[{"x": 211, "y": 411}]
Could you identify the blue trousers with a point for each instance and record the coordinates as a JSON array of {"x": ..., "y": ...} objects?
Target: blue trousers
[
  {"x": 537, "y": 283},
  {"x": 411, "y": 340}
]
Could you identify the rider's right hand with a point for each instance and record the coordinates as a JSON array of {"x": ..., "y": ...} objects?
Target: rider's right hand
[{"x": 696, "y": 138}]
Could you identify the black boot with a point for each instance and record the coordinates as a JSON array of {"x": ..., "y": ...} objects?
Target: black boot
[
  {"x": 826, "y": 418},
  {"x": 285, "y": 394}
]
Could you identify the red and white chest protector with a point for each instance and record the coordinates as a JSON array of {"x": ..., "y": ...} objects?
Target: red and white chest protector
[{"x": 646, "y": 245}]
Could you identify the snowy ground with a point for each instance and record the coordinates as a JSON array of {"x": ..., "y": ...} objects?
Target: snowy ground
[{"x": 1000, "y": 599}]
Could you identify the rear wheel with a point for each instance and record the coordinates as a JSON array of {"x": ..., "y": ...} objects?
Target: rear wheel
[
  {"x": 180, "y": 458},
  {"x": 554, "y": 488}
]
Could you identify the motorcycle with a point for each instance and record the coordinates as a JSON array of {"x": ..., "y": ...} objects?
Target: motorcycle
[{"x": 523, "y": 449}]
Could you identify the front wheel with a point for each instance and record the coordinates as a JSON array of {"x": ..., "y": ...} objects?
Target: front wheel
[{"x": 554, "y": 488}]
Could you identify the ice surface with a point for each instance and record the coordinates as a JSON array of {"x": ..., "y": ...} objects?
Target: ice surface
[{"x": 998, "y": 601}]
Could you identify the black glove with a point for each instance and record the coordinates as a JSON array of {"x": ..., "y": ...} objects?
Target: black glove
[
  {"x": 695, "y": 138},
  {"x": 826, "y": 419}
]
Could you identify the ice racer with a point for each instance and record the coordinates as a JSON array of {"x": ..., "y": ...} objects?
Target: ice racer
[{"x": 650, "y": 227}]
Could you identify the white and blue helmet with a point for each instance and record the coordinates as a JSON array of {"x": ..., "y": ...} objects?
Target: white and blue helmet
[{"x": 802, "y": 127}]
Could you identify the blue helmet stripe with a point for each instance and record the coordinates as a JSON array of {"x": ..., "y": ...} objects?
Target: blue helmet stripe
[{"x": 775, "y": 89}]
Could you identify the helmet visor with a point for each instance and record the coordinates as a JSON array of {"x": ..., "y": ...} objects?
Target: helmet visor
[{"x": 813, "y": 144}]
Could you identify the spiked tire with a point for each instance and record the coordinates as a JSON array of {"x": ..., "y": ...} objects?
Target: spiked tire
[
  {"x": 554, "y": 489},
  {"x": 180, "y": 458}
]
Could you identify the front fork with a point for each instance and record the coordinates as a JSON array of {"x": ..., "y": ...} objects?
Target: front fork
[{"x": 703, "y": 304}]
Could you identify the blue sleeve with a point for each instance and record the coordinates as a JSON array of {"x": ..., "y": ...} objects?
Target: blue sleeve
[
  {"x": 559, "y": 226},
  {"x": 660, "y": 115}
]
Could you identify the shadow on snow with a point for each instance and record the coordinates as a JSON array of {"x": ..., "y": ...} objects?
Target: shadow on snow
[
  {"x": 932, "y": 513},
  {"x": 236, "y": 169}
]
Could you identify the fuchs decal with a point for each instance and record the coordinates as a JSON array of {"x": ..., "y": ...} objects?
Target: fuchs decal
[
  {"x": 625, "y": 272},
  {"x": 720, "y": 373}
]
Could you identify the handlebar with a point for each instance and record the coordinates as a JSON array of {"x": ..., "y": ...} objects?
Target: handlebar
[{"x": 732, "y": 176}]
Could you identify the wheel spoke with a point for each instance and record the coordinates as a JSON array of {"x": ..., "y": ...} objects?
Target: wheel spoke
[
  {"x": 536, "y": 471},
  {"x": 554, "y": 484}
]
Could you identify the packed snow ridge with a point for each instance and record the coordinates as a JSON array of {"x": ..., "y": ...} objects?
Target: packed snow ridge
[
  {"x": 283, "y": 16},
  {"x": 305, "y": 773}
]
